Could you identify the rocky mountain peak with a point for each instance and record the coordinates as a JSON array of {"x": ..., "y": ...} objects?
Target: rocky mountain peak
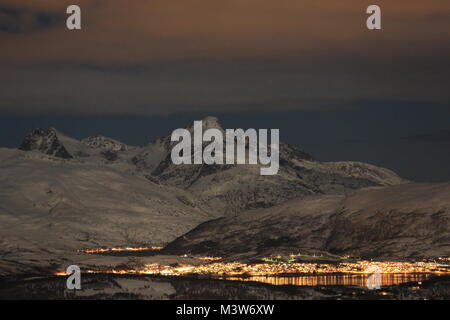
[
  {"x": 208, "y": 122},
  {"x": 211, "y": 122},
  {"x": 105, "y": 143},
  {"x": 45, "y": 141}
]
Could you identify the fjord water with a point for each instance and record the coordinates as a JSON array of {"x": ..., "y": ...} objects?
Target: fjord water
[{"x": 358, "y": 280}]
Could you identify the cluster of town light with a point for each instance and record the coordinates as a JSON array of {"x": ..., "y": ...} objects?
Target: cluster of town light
[
  {"x": 265, "y": 269},
  {"x": 393, "y": 272},
  {"x": 103, "y": 250}
]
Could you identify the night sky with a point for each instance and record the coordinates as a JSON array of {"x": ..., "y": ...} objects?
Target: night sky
[{"x": 139, "y": 69}]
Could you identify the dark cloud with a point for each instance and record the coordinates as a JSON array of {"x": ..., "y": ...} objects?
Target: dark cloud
[{"x": 160, "y": 57}]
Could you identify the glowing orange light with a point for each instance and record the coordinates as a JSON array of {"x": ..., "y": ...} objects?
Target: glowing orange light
[{"x": 101, "y": 250}]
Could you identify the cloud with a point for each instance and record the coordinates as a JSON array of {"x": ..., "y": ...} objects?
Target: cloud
[
  {"x": 144, "y": 31},
  {"x": 147, "y": 57}
]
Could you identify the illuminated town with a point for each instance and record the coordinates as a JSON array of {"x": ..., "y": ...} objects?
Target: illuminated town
[
  {"x": 264, "y": 269},
  {"x": 213, "y": 267},
  {"x": 275, "y": 271},
  {"x": 105, "y": 250}
]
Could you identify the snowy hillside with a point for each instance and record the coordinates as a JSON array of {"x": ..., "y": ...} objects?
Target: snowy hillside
[
  {"x": 402, "y": 221},
  {"x": 49, "y": 204}
]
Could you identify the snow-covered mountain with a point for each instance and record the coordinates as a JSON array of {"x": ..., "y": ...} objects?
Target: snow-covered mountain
[
  {"x": 229, "y": 188},
  {"x": 235, "y": 188}
]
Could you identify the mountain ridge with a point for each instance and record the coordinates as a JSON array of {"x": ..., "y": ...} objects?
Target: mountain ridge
[{"x": 241, "y": 187}]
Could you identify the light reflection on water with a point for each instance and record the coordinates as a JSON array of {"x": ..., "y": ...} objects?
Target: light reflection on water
[{"x": 359, "y": 280}]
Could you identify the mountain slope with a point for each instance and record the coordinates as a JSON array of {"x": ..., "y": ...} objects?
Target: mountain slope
[{"x": 408, "y": 220}]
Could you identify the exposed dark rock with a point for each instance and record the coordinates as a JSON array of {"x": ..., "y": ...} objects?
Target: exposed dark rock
[
  {"x": 45, "y": 141},
  {"x": 110, "y": 155},
  {"x": 105, "y": 143}
]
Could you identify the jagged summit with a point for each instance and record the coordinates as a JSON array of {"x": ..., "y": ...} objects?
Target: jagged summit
[
  {"x": 208, "y": 122},
  {"x": 50, "y": 141},
  {"x": 211, "y": 123},
  {"x": 45, "y": 141}
]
